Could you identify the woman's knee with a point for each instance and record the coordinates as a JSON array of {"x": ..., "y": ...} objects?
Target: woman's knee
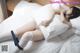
[
  {"x": 37, "y": 35},
  {"x": 33, "y": 35},
  {"x": 27, "y": 35}
]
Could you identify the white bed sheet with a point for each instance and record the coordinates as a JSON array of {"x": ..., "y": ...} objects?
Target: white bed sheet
[{"x": 56, "y": 45}]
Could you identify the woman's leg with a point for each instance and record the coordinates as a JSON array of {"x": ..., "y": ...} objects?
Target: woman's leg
[
  {"x": 4, "y": 36},
  {"x": 32, "y": 35},
  {"x": 31, "y": 26}
]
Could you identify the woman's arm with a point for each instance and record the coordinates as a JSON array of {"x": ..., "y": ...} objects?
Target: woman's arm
[{"x": 65, "y": 20}]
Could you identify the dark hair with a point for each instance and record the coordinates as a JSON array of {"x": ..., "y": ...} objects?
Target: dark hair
[{"x": 75, "y": 13}]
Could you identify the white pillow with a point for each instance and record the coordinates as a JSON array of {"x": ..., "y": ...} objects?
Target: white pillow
[
  {"x": 76, "y": 23},
  {"x": 55, "y": 28}
]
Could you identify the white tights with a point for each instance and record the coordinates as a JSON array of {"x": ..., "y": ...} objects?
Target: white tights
[{"x": 25, "y": 38}]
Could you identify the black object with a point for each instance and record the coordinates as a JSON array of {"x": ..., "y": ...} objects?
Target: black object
[{"x": 16, "y": 41}]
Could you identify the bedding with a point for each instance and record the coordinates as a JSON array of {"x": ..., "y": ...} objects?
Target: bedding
[
  {"x": 55, "y": 28},
  {"x": 56, "y": 45},
  {"x": 67, "y": 42}
]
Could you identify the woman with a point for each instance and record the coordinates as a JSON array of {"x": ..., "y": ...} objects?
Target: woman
[
  {"x": 22, "y": 24},
  {"x": 27, "y": 27}
]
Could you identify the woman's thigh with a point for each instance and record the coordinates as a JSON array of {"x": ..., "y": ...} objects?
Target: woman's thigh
[
  {"x": 30, "y": 26},
  {"x": 17, "y": 25},
  {"x": 37, "y": 35}
]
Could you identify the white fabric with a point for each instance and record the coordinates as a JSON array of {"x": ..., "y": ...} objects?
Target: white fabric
[
  {"x": 25, "y": 39},
  {"x": 46, "y": 11},
  {"x": 76, "y": 23},
  {"x": 57, "y": 45},
  {"x": 43, "y": 13},
  {"x": 24, "y": 6},
  {"x": 56, "y": 7},
  {"x": 72, "y": 45},
  {"x": 64, "y": 7},
  {"x": 55, "y": 28},
  {"x": 19, "y": 16}
]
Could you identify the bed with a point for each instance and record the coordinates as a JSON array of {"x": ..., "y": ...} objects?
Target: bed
[
  {"x": 56, "y": 45},
  {"x": 59, "y": 44}
]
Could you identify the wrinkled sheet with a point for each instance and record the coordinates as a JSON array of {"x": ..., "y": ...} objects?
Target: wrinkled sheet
[{"x": 56, "y": 45}]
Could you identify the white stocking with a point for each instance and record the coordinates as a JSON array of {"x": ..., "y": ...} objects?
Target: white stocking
[{"x": 25, "y": 38}]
